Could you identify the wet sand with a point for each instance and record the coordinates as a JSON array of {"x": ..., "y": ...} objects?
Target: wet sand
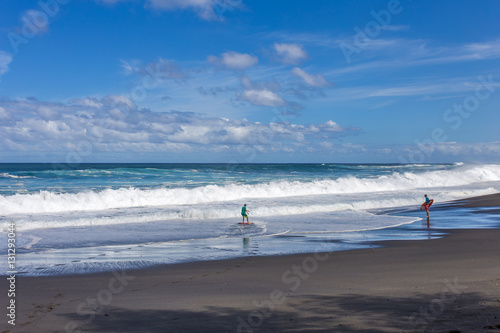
[{"x": 450, "y": 284}]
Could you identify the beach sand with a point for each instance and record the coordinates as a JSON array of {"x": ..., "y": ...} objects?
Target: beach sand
[{"x": 450, "y": 284}]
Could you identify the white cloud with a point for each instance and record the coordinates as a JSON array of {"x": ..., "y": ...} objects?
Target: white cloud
[
  {"x": 5, "y": 60},
  {"x": 180, "y": 4},
  {"x": 409, "y": 53},
  {"x": 206, "y": 9},
  {"x": 3, "y": 113},
  {"x": 439, "y": 88},
  {"x": 485, "y": 50},
  {"x": 312, "y": 80},
  {"x": 395, "y": 27},
  {"x": 326, "y": 144},
  {"x": 262, "y": 97},
  {"x": 88, "y": 102},
  {"x": 290, "y": 53},
  {"x": 130, "y": 66},
  {"x": 154, "y": 72},
  {"x": 118, "y": 101},
  {"x": 267, "y": 93},
  {"x": 481, "y": 148},
  {"x": 437, "y": 152},
  {"x": 331, "y": 126},
  {"x": 234, "y": 60},
  {"x": 112, "y": 1},
  {"x": 33, "y": 125}
]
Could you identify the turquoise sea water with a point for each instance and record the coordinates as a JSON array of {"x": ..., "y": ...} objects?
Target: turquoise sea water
[{"x": 94, "y": 217}]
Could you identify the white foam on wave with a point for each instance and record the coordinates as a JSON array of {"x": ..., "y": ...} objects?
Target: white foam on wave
[
  {"x": 282, "y": 208},
  {"x": 357, "y": 230},
  {"x": 8, "y": 175},
  {"x": 50, "y": 202}
]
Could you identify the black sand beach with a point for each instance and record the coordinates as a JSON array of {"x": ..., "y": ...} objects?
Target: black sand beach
[{"x": 451, "y": 284}]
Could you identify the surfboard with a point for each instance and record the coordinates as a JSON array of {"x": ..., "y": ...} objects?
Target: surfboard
[
  {"x": 245, "y": 223},
  {"x": 423, "y": 205}
]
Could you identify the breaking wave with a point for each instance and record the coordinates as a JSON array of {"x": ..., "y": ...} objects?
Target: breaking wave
[{"x": 53, "y": 202}]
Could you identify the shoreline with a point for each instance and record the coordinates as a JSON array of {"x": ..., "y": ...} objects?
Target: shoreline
[
  {"x": 140, "y": 254},
  {"x": 450, "y": 283}
]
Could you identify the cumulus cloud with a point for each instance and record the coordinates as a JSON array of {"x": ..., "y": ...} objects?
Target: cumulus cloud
[
  {"x": 115, "y": 124},
  {"x": 234, "y": 60},
  {"x": 118, "y": 101},
  {"x": 265, "y": 94},
  {"x": 290, "y": 53},
  {"x": 5, "y": 60},
  {"x": 331, "y": 126},
  {"x": 262, "y": 97},
  {"x": 311, "y": 80},
  {"x": 87, "y": 102}
]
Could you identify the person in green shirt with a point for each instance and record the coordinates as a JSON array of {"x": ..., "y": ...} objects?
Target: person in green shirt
[{"x": 244, "y": 212}]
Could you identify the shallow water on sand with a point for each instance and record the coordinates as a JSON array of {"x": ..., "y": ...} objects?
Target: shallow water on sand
[{"x": 100, "y": 258}]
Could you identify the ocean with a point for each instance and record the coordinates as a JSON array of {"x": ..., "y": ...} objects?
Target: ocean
[{"x": 99, "y": 217}]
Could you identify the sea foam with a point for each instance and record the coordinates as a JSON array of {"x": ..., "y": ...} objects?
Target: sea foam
[{"x": 51, "y": 202}]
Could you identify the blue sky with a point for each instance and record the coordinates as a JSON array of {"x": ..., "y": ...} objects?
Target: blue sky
[{"x": 249, "y": 81}]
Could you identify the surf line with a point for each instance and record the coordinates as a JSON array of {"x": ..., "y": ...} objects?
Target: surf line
[{"x": 34, "y": 240}]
